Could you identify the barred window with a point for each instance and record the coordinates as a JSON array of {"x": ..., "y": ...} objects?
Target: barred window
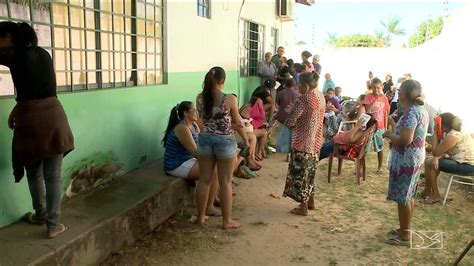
[
  {"x": 251, "y": 47},
  {"x": 94, "y": 44},
  {"x": 203, "y": 8}
]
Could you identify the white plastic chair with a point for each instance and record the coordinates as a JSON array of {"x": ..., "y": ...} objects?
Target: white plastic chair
[{"x": 460, "y": 179}]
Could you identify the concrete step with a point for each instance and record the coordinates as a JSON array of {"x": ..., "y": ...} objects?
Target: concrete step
[{"x": 100, "y": 223}]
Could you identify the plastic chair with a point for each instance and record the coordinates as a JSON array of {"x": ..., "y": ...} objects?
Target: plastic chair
[
  {"x": 460, "y": 179},
  {"x": 358, "y": 159}
]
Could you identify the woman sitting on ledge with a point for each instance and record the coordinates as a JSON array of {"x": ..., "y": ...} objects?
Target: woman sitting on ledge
[
  {"x": 453, "y": 154},
  {"x": 180, "y": 142}
]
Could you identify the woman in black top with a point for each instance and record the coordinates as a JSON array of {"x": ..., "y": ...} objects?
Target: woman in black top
[{"x": 41, "y": 133}]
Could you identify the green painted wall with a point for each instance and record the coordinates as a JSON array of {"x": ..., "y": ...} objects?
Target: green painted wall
[{"x": 126, "y": 124}]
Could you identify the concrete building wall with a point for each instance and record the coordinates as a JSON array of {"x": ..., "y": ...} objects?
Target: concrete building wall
[{"x": 125, "y": 126}]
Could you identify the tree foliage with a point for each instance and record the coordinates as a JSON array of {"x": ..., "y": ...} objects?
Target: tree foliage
[
  {"x": 356, "y": 40},
  {"x": 392, "y": 27},
  {"x": 426, "y": 31}
]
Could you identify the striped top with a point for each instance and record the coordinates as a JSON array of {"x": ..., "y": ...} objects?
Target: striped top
[{"x": 175, "y": 153}]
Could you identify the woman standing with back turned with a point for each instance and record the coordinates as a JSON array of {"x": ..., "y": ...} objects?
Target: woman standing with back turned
[
  {"x": 41, "y": 133},
  {"x": 306, "y": 122},
  {"x": 217, "y": 145}
]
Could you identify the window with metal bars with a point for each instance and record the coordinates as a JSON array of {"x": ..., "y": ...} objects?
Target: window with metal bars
[
  {"x": 203, "y": 8},
  {"x": 251, "y": 47},
  {"x": 94, "y": 44}
]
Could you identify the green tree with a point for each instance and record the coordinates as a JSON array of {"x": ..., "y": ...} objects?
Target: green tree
[
  {"x": 392, "y": 27},
  {"x": 356, "y": 40},
  {"x": 426, "y": 31}
]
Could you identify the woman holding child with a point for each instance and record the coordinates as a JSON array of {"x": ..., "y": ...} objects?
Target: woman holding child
[
  {"x": 407, "y": 157},
  {"x": 306, "y": 122}
]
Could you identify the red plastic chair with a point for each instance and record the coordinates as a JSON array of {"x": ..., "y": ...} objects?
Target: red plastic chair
[{"x": 358, "y": 159}]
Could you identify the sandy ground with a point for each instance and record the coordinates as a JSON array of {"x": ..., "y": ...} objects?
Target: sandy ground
[{"x": 349, "y": 226}]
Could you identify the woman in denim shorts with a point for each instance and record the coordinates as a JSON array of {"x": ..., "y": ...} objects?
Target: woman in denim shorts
[{"x": 217, "y": 145}]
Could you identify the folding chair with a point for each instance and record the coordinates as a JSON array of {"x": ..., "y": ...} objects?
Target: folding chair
[
  {"x": 358, "y": 159},
  {"x": 460, "y": 179}
]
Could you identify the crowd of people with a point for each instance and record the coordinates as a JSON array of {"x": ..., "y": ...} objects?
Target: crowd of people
[{"x": 212, "y": 139}]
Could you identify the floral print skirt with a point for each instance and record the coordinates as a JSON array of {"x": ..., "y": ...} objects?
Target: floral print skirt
[{"x": 300, "y": 178}]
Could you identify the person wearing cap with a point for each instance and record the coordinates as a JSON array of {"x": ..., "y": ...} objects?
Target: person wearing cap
[
  {"x": 317, "y": 66},
  {"x": 276, "y": 58},
  {"x": 266, "y": 68}
]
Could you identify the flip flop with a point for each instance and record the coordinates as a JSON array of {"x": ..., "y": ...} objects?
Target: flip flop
[
  {"x": 430, "y": 201},
  {"x": 394, "y": 232},
  {"x": 52, "y": 233},
  {"x": 31, "y": 218},
  {"x": 396, "y": 241}
]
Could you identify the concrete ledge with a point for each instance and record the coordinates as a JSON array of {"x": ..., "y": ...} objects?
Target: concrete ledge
[{"x": 100, "y": 224}]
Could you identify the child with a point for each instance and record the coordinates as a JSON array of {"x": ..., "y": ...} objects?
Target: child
[{"x": 376, "y": 103}]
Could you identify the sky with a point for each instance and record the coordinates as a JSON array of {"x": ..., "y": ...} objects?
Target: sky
[{"x": 313, "y": 23}]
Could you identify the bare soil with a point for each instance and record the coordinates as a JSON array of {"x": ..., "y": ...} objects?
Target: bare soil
[{"x": 349, "y": 226}]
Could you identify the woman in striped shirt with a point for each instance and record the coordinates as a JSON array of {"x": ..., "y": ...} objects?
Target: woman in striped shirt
[{"x": 180, "y": 142}]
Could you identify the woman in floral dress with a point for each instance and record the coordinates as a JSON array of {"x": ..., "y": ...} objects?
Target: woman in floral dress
[{"x": 408, "y": 155}]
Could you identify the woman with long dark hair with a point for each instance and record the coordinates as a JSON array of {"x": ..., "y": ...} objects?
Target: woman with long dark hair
[
  {"x": 41, "y": 133},
  {"x": 217, "y": 145},
  {"x": 180, "y": 142}
]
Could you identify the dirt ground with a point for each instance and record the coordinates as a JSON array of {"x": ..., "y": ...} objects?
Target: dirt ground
[{"x": 348, "y": 227}]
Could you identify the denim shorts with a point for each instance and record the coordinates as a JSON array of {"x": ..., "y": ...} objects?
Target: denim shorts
[
  {"x": 454, "y": 167},
  {"x": 221, "y": 146}
]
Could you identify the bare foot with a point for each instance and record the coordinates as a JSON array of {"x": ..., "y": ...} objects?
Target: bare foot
[
  {"x": 203, "y": 222},
  {"x": 300, "y": 211},
  {"x": 311, "y": 205},
  {"x": 233, "y": 224},
  {"x": 379, "y": 172},
  {"x": 214, "y": 212}
]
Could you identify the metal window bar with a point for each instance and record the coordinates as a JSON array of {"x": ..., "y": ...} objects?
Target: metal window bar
[{"x": 69, "y": 72}]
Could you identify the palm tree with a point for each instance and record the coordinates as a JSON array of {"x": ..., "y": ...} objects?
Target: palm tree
[
  {"x": 332, "y": 39},
  {"x": 392, "y": 26}
]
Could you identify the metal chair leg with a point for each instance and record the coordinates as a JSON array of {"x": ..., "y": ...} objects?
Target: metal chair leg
[{"x": 447, "y": 190}]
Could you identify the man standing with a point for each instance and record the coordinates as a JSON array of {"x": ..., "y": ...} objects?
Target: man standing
[
  {"x": 317, "y": 66},
  {"x": 279, "y": 54},
  {"x": 267, "y": 69}
]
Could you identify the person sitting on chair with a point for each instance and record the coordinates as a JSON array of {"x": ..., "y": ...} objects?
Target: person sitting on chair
[
  {"x": 453, "y": 154},
  {"x": 351, "y": 137}
]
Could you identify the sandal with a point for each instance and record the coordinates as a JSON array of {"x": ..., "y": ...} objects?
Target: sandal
[
  {"x": 430, "y": 201},
  {"x": 396, "y": 241},
  {"x": 54, "y": 232},
  {"x": 32, "y": 218},
  {"x": 248, "y": 172}
]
